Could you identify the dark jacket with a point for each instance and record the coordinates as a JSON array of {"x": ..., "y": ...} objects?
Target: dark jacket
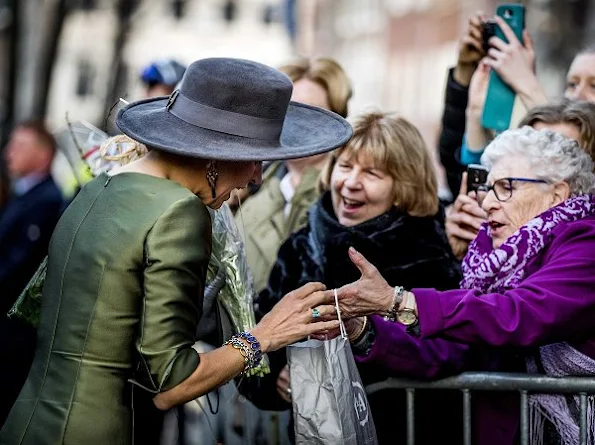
[
  {"x": 26, "y": 225},
  {"x": 453, "y": 130},
  {"x": 408, "y": 251}
]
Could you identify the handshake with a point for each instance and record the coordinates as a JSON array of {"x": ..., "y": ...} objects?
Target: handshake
[{"x": 311, "y": 310}]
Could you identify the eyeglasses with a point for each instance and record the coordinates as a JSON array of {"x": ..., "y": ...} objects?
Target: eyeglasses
[{"x": 503, "y": 188}]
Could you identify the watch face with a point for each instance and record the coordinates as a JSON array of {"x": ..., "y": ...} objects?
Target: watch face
[{"x": 407, "y": 317}]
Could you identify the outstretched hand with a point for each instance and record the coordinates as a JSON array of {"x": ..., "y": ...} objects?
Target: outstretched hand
[
  {"x": 371, "y": 294},
  {"x": 291, "y": 319}
]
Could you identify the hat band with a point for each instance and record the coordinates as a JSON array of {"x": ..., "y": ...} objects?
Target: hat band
[{"x": 224, "y": 121}]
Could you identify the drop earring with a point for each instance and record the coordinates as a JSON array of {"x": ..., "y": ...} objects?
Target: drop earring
[{"x": 212, "y": 176}]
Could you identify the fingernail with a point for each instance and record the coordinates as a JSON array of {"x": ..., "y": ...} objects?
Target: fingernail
[{"x": 352, "y": 250}]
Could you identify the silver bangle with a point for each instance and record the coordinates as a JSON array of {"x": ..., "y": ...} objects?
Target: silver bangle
[{"x": 394, "y": 309}]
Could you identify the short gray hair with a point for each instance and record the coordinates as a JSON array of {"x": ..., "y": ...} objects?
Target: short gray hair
[{"x": 552, "y": 157}]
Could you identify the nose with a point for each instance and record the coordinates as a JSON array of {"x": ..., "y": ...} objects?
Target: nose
[
  {"x": 352, "y": 180},
  {"x": 490, "y": 202}
]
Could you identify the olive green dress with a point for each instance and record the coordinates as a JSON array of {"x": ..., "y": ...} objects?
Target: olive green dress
[{"x": 127, "y": 264}]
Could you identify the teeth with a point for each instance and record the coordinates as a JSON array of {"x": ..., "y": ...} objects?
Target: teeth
[{"x": 351, "y": 201}]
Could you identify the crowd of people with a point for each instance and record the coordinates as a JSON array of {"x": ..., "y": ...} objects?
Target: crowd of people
[{"x": 331, "y": 206}]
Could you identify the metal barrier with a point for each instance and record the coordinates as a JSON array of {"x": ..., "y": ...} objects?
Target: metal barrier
[{"x": 492, "y": 381}]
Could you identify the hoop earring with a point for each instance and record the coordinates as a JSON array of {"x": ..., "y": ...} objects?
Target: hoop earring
[{"x": 212, "y": 176}]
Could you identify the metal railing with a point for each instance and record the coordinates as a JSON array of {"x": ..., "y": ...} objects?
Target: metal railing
[{"x": 492, "y": 381}]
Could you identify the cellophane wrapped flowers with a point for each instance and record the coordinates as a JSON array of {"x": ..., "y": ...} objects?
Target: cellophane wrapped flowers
[{"x": 237, "y": 292}]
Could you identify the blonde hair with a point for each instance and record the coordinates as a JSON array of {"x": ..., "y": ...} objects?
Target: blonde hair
[
  {"x": 397, "y": 147},
  {"x": 327, "y": 73},
  {"x": 122, "y": 149}
]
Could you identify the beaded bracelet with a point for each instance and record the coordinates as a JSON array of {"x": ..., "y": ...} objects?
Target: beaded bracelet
[
  {"x": 249, "y": 347},
  {"x": 254, "y": 345}
]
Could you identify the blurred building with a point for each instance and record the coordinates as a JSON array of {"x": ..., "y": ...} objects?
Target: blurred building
[
  {"x": 184, "y": 30},
  {"x": 398, "y": 51}
]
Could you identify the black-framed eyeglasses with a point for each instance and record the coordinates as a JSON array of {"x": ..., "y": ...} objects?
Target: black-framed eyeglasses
[{"x": 503, "y": 188}]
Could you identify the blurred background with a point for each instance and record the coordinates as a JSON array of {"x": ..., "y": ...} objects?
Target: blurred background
[{"x": 73, "y": 59}]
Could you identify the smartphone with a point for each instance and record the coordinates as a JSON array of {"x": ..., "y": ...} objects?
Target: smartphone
[
  {"x": 497, "y": 110},
  {"x": 488, "y": 30},
  {"x": 476, "y": 175}
]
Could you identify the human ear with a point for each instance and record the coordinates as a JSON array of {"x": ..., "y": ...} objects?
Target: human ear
[{"x": 561, "y": 192}]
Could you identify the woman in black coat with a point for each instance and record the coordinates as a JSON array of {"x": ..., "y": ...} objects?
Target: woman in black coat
[{"x": 381, "y": 198}]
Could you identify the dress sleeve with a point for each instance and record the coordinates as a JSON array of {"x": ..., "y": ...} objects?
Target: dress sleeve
[
  {"x": 555, "y": 303},
  {"x": 177, "y": 252}
]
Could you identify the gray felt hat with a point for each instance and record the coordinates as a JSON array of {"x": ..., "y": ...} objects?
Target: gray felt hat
[{"x": 233, "y": 109}]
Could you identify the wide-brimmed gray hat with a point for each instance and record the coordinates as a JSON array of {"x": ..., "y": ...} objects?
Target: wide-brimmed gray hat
[{"x": 233, "y": 109}]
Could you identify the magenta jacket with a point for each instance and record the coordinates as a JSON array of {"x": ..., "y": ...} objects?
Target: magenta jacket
[{"x": 464, "y": 330}]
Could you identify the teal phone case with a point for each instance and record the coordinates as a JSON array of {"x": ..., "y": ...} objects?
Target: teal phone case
[{"x": 499, "y": 103}]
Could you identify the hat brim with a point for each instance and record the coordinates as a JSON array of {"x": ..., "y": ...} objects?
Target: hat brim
[{"x": 307, "y": 131}]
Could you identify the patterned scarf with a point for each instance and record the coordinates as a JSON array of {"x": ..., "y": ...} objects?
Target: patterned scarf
[{"x": 497, "y": 270}]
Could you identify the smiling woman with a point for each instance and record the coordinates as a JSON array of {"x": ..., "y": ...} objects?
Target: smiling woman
[
  {"x": 379, "y": 196},
  {"x": 385, "y": 164}
]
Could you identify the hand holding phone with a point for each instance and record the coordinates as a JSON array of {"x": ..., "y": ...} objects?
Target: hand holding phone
[
  {"x": 476, "y": 175},
  {"x": 470, "y": 50},
  {"x": 500, "y": 97},
  {"x": 464, "y": 219},
  {"x": 515, "y": 64}
]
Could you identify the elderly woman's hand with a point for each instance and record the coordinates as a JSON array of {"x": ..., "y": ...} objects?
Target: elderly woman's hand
[
  {"x": 463, "y": 220},
  {"x": 371, "y": 294},
  {"x": 302, "y": 312}
]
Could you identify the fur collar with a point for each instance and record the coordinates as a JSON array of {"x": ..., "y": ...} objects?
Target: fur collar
[{"x": 394, "y": 242}]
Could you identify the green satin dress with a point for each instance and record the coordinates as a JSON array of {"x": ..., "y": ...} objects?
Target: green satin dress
[{"x": 127, "y": 264}]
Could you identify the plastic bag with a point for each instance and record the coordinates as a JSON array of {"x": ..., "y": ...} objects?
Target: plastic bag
[{"x": 330, "y": 406}]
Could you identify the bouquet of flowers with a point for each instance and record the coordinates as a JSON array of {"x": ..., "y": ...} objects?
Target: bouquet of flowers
[{"x": 236, "y": 294}]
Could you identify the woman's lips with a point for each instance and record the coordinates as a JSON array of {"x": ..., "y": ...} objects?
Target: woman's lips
[
  {"x": 496, "y": 228},
  {"x": 351, "y": 205}
]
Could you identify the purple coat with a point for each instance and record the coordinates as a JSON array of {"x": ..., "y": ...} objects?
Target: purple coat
[{"x": 555, "y": 302}]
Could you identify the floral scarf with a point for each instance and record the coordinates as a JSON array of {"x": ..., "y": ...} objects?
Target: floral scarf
[{"x": 497, "y": 270}]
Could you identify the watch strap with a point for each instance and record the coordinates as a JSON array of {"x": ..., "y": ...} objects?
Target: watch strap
[{"x": 363, "y": 345}]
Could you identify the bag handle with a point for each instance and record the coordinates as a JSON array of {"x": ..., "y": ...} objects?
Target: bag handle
[{"x": 341, "y": 325}]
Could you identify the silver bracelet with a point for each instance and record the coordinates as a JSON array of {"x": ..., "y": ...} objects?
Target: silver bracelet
[{"x": 397, "y": 300}]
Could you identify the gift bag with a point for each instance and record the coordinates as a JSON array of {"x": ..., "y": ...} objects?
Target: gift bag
[{"x": 330, "y": 406}]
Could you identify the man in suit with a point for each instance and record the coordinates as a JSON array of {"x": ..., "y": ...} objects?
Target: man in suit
[{"x": 27, "y": 221}]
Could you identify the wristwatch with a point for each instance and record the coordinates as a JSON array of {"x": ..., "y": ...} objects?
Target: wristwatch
[{"x": 406, "y": 315}]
